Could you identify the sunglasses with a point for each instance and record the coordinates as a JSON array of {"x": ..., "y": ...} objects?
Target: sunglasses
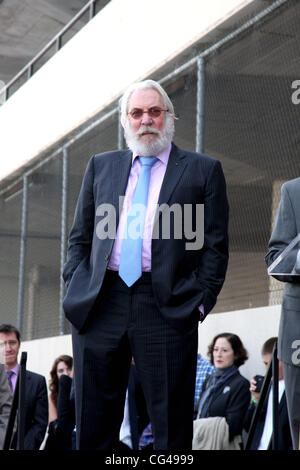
[{"x": 153, "y": 112}]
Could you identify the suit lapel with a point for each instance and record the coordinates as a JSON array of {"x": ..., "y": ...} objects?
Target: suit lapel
[
  {"x": 120, "y": 172},
  {"x": 175, "y": 169},
  {"x": 28, "y": 384}
]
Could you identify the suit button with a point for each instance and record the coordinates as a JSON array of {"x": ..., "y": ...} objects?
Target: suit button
[{"x": 106, "y": 257}]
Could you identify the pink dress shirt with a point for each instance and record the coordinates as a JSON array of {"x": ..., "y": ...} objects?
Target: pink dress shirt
[{"x": 157, "y": 175}]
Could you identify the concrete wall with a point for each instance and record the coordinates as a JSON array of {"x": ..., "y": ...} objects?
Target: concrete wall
[
  {"x": 253, "y": 326},
  {"x": 41, "y": 353},
  {"x": 125, "y": 42}
]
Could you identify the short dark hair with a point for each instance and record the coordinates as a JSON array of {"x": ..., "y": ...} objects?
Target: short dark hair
[
  {"x": 240, "y": 353},
  {"x": 6, "y": 328},
  {"x": 268, "y": 345}
]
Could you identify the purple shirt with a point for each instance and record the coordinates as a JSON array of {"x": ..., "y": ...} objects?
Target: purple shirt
[{"x": 157, "y": 175}]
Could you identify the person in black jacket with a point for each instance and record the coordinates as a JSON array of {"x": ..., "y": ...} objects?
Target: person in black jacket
[
  {"x": 60, "y": 432},
  {"x": 262, "y": 437},
  {"x": 226, "y": 392},
  {"x": 61, "y": 405}
]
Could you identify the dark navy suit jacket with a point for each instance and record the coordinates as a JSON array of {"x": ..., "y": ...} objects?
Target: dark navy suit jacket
[
  {"x": 182, "y": 279},
  {"x": 230, "y": 401},
  {"x": 36, "y": 411},
  {"x": 284, "y": 433}
]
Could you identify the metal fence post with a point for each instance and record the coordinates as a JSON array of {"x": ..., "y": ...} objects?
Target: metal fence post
[
  {"x": 200, "y": 105},
  {"x": 22, "y": 255},
  {"x": 63, "y": 240}
]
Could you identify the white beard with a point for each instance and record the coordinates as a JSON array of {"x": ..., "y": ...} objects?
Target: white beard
[{"x": 151, "y": 145}]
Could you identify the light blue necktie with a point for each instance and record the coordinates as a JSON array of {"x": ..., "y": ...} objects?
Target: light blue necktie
[{"x": 130, "y": 269}]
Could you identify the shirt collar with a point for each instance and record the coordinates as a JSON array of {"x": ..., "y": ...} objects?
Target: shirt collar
[
  {"x": 163, "y": 156},
  {"x": 15, "y": 369}
]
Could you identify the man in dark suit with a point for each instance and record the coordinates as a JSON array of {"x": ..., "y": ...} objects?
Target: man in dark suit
[
  {"x": 287, "y": 227},
  {"x": 262, "y": 437},
  {"x": 136, "y": 283},
  {"x": 36, "y": 399}
]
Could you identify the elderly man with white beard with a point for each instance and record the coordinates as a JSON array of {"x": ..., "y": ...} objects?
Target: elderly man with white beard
[{"x": 133, "y": 295}]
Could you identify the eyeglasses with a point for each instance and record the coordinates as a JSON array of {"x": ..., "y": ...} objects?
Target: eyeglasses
[
  {"x": 11, "y": 343},
  {"x": 153, "y": 112}
]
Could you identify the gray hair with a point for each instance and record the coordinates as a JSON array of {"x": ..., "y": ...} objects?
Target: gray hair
[{"x": 146, "y": 84}]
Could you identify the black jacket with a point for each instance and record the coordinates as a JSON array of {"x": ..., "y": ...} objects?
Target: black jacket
[
  {"x": 231, "y": 401},
  {"x": 36, "y": 411},
  {"x": 60, "y": 430},
  {"x": 284, "y": 434}
]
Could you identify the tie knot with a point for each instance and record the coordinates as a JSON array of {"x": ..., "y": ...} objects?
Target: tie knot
[
  {"x": 147, "y": 161},
  {"x": 9, "y": 373}
]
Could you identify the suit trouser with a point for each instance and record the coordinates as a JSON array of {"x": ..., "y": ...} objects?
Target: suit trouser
[
  {"x": 126, "y": 323},
  {"x": 292, "y": 390}
]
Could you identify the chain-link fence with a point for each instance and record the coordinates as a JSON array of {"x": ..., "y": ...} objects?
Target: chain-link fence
[{"x": 246, "y": 118}]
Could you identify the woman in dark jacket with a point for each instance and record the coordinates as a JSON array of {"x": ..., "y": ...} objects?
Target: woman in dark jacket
[
  {"x": 61, "y": 405},
  {"x": 226, "y": 392}
]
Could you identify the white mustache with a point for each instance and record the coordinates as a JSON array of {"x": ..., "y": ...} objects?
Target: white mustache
[{"x": 146, "y": 129}]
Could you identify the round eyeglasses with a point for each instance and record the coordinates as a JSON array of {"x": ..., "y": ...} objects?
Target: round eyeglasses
[{"x": 153, "y": 112}]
